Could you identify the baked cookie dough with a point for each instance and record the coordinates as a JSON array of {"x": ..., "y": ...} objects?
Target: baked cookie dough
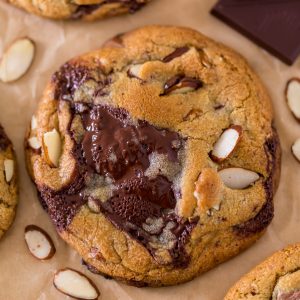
[
  {"x": 8, "y": 183},
  {"x": 277, "y": 278},
  {"x": 79, "y": 9},
  {"x": 125, "y": 155}
]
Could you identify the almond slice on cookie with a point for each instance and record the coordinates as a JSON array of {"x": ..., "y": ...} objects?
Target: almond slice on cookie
[
  {"x": 52, "y": 147},
  {"x": 238, "y": 178},
  {"x": 226, "y": 143},
  {"x": 9, "y": 169}
]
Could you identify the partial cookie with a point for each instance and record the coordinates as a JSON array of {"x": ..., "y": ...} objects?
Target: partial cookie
[
  {"x": 277, "y": 278},
  {"x": 8, "y": 183},
  {"x": 80, "y": 9},
  {"x": 155, "y": 156}
]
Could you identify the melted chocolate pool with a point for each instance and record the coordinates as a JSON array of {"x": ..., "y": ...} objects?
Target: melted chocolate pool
[{"x": 118, "y": 149}]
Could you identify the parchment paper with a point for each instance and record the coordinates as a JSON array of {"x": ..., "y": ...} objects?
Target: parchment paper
[{"x": 24, "y": 277}]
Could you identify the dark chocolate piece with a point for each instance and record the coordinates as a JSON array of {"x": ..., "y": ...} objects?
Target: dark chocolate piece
[
  {"x": 179, "y": 82},
  {"x": 83, "y": 10},
  {"x": 272, "y": 24},
  {"x": 178, "y": 52}
]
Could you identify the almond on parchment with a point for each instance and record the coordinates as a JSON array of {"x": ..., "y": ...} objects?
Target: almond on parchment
[
  {"x": 238, "y": 178},
  {"x": 17, "y": 59},
  {"x": 9, "y": 169},
  {"x": 208, "y": 190},
  {"x": 52, "y": 147},
  {"x": 39, "y": 242},
  {"x": 292, "y": 92},
  {"x": 226, "y": 143},
  {"x": 75, "y": 284},
  {"x": 296, "y": 149}
]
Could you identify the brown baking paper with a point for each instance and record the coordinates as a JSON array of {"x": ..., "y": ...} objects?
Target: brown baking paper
[{"x": 24, "y": 277}]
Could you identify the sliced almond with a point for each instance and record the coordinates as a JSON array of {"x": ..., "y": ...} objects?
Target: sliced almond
[
  {"x": 39, "y": 242},
  {"x": 135, "y": 71},
  {"x": 75, "y": 284},
  {"x": 296, "y": 149},
  {"x": 33, "y": 123},
  {"x": 17, "y": 60},
  {"x": 9, "y": 169},
  {"x": 34, "y": 143},
  {"x": 52, "y": 147},
  {"x": 293, "y": 96},
  {"x": 226, "y": 143},
  {"x": 238, "y": 178}
]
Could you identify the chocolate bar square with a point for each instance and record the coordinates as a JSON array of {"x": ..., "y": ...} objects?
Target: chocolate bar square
[{"x": 272, "y": 24}]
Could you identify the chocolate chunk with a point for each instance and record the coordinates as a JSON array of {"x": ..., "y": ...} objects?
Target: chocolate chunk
[
  {"x": 258, "y": 223},
  {"x": 115, "y": 147},
  {"x": 181, "y": 84},
  {"x": 72, "y": 76},
  {"x": 178, "y": 52},
  {"x": 272, "y": 24},
  {"x": 68, "y": 79},
  {"x": 83, "y": 10},
  {"x": 63, "y": 205}
]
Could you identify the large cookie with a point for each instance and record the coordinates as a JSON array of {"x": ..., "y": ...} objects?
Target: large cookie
[
  {"x": 277, "y": 278},
  {"x": 120, "y": 138},
  {"x": 8, "y": 183},
  {"x": 79, "y": 9}
]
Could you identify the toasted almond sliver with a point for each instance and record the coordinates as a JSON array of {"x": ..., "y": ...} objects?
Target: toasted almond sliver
[
  {"x": 226, "y": 143},
  {"x": 17, "y": 60},
  {"x": 75, "y": 284},
  {"x": 238, "y": 178},
  {"x": 34, "y": 143},
  {"x": 33, "y": 123},
  {"x": 52, "y": 147},
  {"x": 296, "y": 149},
  {"x": 293, "y": 96},
  {"x": 135, "y": 71},
  {"x": 9, "y": 169},
  {"x": 39, "y": 242}
]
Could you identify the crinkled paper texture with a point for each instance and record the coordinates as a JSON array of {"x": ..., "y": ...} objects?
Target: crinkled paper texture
[{"x": 22, "y": 277}]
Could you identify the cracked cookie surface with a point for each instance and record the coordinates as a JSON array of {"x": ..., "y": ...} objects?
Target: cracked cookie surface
[
  {"x": 124, "y": 152},
  {"x": 79, "y": 9},
  {"x": 277, "y": 278},
  {"x": 8, "y": 182}
]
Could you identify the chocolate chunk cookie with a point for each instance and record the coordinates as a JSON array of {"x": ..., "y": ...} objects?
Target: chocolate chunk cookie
[
  {"x": 155, "y": 156},
  {"x": 80, "y": 9},
  {"x": 8, "y": 183},
  {"x": 277, "y": 278}
]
